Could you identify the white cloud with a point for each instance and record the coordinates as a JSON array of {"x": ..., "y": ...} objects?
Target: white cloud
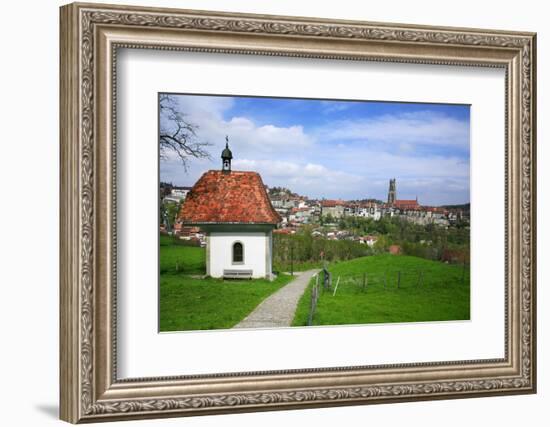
[
  {"x": 407, "y": 128},
  {"x": 335, "y": 106},
  {"x": 245, "y": 136},
  {"x": 275, "y": 168},
  {"x": 205, "y": 106},
  {"x": 310, "y": 179},
  {"x": 380, "y": 164}
]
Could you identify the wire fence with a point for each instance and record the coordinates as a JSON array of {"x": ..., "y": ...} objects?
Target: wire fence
[{"x": 313, "y": 300}]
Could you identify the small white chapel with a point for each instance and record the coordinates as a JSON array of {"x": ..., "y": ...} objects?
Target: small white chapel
[{"x": 234, "y": 211}]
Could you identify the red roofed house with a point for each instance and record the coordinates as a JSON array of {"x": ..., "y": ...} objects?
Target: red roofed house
[{"x": 234, "y": 211}]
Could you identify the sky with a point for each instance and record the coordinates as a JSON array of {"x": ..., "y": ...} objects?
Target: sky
[{"x": 334, "y": 149}]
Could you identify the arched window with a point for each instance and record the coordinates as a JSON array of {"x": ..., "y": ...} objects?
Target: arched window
[{"x": 238, "y": 253}]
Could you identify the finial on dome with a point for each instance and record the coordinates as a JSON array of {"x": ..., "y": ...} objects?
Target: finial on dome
[{"x": 226, "y": 156}]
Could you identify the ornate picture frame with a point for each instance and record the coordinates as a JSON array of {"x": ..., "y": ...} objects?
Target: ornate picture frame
[{"x": 90, "y": 37}]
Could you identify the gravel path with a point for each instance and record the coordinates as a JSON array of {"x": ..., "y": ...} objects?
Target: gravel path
[{"x": 278, "y": 309}]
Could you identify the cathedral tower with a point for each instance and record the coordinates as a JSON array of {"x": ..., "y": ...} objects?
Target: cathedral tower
[{"x": 392, "y": 192}]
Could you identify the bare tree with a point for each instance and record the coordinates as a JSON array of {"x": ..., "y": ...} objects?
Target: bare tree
[{"x": 177, "y": 134}]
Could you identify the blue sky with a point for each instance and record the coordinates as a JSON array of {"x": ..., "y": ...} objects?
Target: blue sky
[{"x": 335, "y": 149}]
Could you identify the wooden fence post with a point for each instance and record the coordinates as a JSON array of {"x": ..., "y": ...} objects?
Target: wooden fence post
[
  {"x": 313, "y": 304},
  {"x": 336, "y": 287},
  {"x": 292, "y": 260},
  {"x": 420, "y": 277}
]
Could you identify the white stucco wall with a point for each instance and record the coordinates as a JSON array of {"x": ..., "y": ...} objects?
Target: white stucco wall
[{"x": 256, "y": 247}]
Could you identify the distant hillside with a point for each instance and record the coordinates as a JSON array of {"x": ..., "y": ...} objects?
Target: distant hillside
[
  {"x": 281, "y": 191},
  {"x": 378, "y": 201},
  {"x": 464, "y": 207}
]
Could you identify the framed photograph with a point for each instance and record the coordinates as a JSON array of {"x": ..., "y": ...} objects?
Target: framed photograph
[
  {"x": 296, "y": 224},
  {"x": 267, "y": 212}
]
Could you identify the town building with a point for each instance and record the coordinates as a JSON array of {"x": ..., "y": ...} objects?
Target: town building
[
  {"x": 406, "y": 205},
  {"x": 180, "y": 192},
  {"x": 176, "y": 194},
  {"x": 401, "y": 205},
  {"x": 334, "y": 208},
  {"x": 233, "y": 209}
]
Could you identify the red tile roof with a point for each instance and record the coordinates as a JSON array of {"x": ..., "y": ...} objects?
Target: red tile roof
[
  {"x": 435, "y": 209},
  {"x": 332, "y": 203},
  {"x": 406, "y": 204},
  {"x": 394, "y": 249},
  {"x": 234, "y": 197},
  {"x": 283, "y": 231}
]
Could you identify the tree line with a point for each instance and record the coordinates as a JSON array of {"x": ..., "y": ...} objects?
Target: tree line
[
  {"x": 304, "y": 248},
  {"x": 428, "y": 241}
]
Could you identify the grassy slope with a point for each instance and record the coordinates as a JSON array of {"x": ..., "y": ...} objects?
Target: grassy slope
[
  {"x": 188, "y": 303},
  {"x": 297, "y": 266},
  {"x": 440, "y": 296}
]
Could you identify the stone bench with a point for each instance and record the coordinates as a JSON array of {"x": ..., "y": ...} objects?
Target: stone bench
[{"x": 237, "y": 274}]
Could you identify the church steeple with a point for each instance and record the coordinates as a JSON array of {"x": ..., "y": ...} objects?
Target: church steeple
[{"x": 226, "y": 156}]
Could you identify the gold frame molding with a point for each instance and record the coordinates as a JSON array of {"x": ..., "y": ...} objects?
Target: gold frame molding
[{"x": 90, "y": 36}]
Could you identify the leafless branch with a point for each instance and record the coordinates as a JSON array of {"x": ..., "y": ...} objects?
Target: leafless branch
[{"x": 178, "y": 135}]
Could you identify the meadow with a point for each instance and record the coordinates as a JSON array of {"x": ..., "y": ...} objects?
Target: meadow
[
  {"x": 189, "y": 301},
  {"x": 373, "y": 289},
  {"x": 177, "y": 256},
  {"x": 389, "y": 288}
]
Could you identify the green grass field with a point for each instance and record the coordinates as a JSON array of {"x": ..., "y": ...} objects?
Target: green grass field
[
  {"x": 441, "y": 293},
  {"x": 297, "y": 266},
  {"x": 175, "y": 257},
  {"x": 190, "y": 303},
  {"x": 428, "y": 291}
]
